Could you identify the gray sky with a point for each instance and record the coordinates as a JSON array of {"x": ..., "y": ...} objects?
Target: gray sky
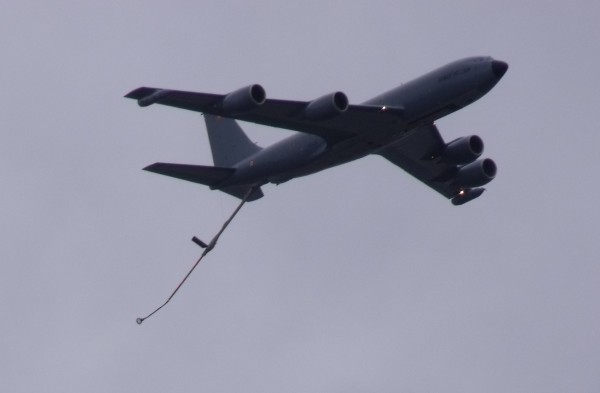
[{"x": 356, "y": 279}]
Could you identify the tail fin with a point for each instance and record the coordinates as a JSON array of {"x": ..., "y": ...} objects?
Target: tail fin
[
  {"x": 228, "y": 142},
  {"x": 229, "y": 145}
]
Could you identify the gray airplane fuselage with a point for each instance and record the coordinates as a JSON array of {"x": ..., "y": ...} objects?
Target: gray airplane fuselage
[{"x": 422, "y": 101}]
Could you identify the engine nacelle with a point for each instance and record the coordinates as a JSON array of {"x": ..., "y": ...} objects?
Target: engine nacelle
[
  {"x": 244, "y": 100},
  {"x": 463, "y": 150},
  {"x": 326, "y": 107},
  {"x": 476, "y": 173},
  {"x": 467, "y": 195}
]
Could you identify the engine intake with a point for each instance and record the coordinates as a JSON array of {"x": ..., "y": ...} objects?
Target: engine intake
[
  {"x": 476, "y": 173},
  {"x": 326, "y": 107},
  {"x": 244, "y": 100},
  {"x": 463, "y": 150}
]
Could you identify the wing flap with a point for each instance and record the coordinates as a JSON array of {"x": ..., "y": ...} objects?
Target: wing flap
[
  {"x": 417, "y": 154},
  {"x": 366, "y": 120},
  {"x": 199, "y": 102}
]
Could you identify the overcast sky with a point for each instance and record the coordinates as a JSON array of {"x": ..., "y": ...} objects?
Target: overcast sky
[{"x": 356, "y": 279}]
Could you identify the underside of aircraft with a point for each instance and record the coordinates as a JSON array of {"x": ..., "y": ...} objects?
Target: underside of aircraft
[{"x": 397, "y": 125}]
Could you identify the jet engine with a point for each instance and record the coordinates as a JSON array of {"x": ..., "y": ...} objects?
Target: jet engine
[
  {"x": 244, "y": 100},
  {"x": 476, "y": 173},
  {"x": 467, "y": 195},
  {"x": 326, "y": 107},
  {"x": 463, "y": 150}
]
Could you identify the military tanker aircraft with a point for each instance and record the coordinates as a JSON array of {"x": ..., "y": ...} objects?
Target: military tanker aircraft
[{"x": 397, "y": 125}]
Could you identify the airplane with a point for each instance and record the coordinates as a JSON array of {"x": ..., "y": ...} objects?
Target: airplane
[{"x": 397, "y": 125}]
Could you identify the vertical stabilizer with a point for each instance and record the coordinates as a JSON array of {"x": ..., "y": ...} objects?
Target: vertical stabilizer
[{"x": 228, "y": 142}]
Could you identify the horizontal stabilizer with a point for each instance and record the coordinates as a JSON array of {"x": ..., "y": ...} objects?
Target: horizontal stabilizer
[{"x": 208, "y": 175}]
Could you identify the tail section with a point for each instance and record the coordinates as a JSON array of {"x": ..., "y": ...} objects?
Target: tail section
[
  {"x": 228, "y": 142},
  {"x": 240, "y": 192},
  {"x": 229, "y": 145},
  {"x": 208, "y": 175}
]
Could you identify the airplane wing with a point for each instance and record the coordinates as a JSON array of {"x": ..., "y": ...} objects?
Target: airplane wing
[
  {"x": 418, "y": 152},
  {"x": 354, "y": 120},
  {"x": 415, "y": 154}
]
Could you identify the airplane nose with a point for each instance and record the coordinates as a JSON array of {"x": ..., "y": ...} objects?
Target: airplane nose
[{"x": 499, "y": 68}]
